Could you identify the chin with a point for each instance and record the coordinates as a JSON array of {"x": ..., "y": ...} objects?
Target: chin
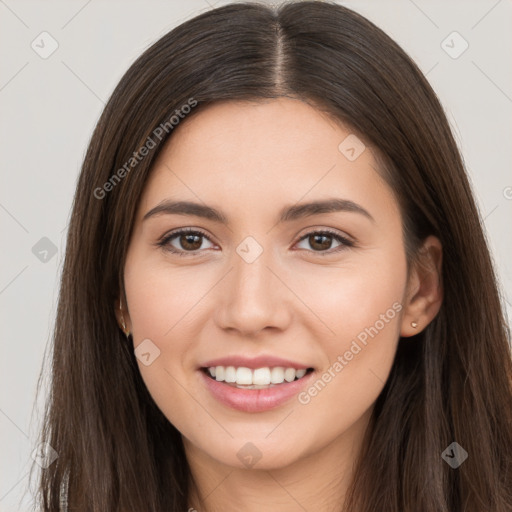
[{"x": 258, "y": 454}]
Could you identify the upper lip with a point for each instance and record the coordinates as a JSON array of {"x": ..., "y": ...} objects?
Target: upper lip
[{"x": 254, "y": 362}]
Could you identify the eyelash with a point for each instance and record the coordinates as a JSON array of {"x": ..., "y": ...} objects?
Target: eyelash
[{"x": 164, "y": 241}]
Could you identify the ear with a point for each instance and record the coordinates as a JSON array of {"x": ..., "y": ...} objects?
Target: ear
[
  {"x": 424, "y": 292},
  {"x": 122, "y": 317}
]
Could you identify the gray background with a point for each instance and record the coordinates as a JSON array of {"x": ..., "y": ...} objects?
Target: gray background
[{"x": 49, "y": 108}]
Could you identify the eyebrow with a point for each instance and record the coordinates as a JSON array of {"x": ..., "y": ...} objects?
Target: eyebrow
[{"x": 287, "y": 214}]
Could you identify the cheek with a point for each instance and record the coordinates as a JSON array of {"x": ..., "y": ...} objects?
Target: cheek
[
  {"x": 355, "y": 298},
  {"x": 362, "y": 305},
  {"x": 368, "y": 307},
  {"x": 162, "y": 304},
  {"x": 160, "y": 299}
]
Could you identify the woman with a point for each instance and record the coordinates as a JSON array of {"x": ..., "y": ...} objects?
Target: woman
[{"x": 277, "y": 294}]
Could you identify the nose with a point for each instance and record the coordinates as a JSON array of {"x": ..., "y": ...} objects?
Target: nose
[{"x": 253, "y": 298}]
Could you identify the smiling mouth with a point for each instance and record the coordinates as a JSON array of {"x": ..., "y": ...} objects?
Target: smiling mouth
[{"x": 260, "y": 378}]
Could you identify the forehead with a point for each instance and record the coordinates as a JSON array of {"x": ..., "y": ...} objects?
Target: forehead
[{"x": 254, "y": 154}]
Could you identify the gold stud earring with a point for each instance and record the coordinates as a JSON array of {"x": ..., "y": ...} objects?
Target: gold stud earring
[
  {"x": 414, "y": 325},
  {"x": 125, "y": 331}
]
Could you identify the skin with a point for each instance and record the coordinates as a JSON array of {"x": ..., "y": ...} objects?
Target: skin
[{"x": 249, "y": 160}]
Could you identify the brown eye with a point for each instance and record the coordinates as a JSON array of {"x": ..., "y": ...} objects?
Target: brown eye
[
  {"x": 184, "y": 242},
  {"x": 321, "y": 241},
  {"x": 190, "y": 242}
]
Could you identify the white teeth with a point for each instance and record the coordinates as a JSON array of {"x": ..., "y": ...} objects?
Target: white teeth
[
  {"x": 219, "y": 373},
  {"x": 259, "y": 377},
  {"x": 243, "y": 375},
  {"x": 289, "y": 374},
  {"x": 277, "y": 375},
  {"x": 230, "y": 374}
]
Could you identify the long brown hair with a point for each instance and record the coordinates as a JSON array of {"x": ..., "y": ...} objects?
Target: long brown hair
[{"x": 452, "y": 382}]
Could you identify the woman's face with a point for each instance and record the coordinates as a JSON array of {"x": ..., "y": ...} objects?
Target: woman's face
[{"x": 262, "y": 288}]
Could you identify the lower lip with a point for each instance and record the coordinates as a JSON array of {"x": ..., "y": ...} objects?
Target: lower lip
[{"x": 255, "y": 400}]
